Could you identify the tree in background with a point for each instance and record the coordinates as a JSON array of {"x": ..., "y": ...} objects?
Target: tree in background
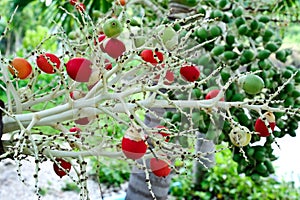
[{"x": 171, "y": 74}]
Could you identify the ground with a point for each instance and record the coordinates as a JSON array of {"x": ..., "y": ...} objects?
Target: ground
[{"x": 11, "y": 187}]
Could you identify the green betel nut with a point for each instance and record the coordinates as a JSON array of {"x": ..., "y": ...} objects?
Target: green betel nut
[
  {"x": 252, "y": 84},
  {"x": 112, "y": 28}
]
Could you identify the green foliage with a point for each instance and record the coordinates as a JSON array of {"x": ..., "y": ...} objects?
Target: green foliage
[
  {"x": 110, "y": 171},
  {"x": 34, "y": 37},
  {"x": 71, "y": 186},
  {"x": 292, "y": 35},
  {"x": 224, "y": 182}
]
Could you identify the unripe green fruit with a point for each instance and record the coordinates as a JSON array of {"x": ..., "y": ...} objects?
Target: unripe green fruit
[
  {"x": 226, "y": 19},
  {"x": 218, "y": 50},
  {"x": 176, "y": 27},
  {"x": 266, "y": 39},
  {"x": 240, "y": 47},
  {"x": 243, "y": 60},
  {"x": 239, "y": 21},
  {"x": 254, "y": 25},
  {"x": 295, "y": 93},
  {"x": 225, "y": 76},
  {"x": 292, "y": 133},
  {"x": 264, "y": 19},
  {"x": 215, "y": 31},
  {"x": 287, "y": 73},
  {"x": 238, "y": 97},
  {"x": 259, "y": 155},
  {"x": 255, "y": 35},
  {"x": 201, "y": 10},
  {"x": 281, "y": 55},
  {"x": 261, "y": 168},
  {"x": 112, "y": 28},
  {"x": 272, "y": 47},
  {"x": 250, "y": 151},
  {"x": 217, "y": 14},
  {"x": 263, "y": 54},
  {"x": 289, "y": 88},
  {"x": 243, "y": 29},
  {"x": 202, "y": 33},
  {"x": 134, "y": 22},
  {"x": 176, "y": 118},
  {"x": 264, "y": 64},
  {"x": 96, "y": 13},
  {"x": 236, "y": 157},
  {"x": 251, "y": 84},
  {"x": 223, "y": 3},
  {"x": 196, "y": 93},
  {"x": 228, "y": 55},
  {"x": 237, "y": 12},
  {"x": 243, "y": 119},
  {"x": 268, "y": 33},
  {"x": 289, "y": 101},
  {"x": 73, "y": 35},
  {"x": 248, "y": 54},
  {"x": 230, "y": 39},
  {"x": 269, "y": 166},
  {"x": 168, "y": 115},
  {"x": 292, "y": 68}
]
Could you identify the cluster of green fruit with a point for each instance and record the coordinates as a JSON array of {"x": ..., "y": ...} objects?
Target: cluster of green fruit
[{"x": 248, "y": 43}]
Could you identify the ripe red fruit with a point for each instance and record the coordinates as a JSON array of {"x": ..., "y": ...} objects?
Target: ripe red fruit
[
  {"x": 213, "y": 94},
  {"x": 82, "y": 121},
  {"x": 21, "y": 66},
  {"x": 101, "y": 37},
  {"x": 169, "y": 77},
  {"x": 261, "y": 127},
  {"x": 79, "y": 69},
  {"x": 190, "y": 73},
  {"x": 148, "y": 56},
  {"x": 108, "y": 65},
  {"x": 64, "y": 165},
  {"x": 76, "y": 130},
  {"x": 81, "y": 7},
  {"x": 121, "y": 2},
  {"x": 164, "y": 134},
  {"x": 73, "y": 2},
  {"x": 114, "y": 47},
  {"x": 159, "y": 167},
  {"x": 133, "y": 146},
  {"x": 44, "y": 65}
]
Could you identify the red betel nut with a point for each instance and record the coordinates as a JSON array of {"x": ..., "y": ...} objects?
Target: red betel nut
[
  {"x": 79, "y": 69},
  {"x": 261, "y": 127},
  {"x": 159, "y": 167},
  {"x": 62, "y": 164},
  {"x": 190, "y": 73}
]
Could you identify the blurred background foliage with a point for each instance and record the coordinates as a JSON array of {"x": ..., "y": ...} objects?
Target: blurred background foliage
[{"x": 224, "y": 182}]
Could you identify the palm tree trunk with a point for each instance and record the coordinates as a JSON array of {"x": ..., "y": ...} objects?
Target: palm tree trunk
[
  {"x": 137, "y": 187},
  {"x": 199, "y": 170}
]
